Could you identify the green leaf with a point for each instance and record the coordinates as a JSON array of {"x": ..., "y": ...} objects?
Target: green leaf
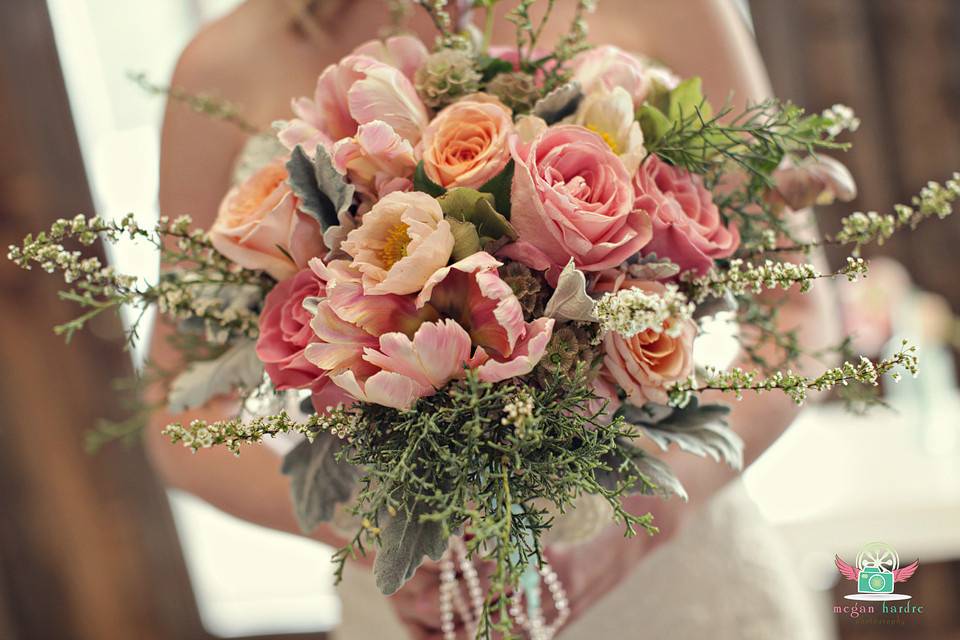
[
  {"x": 491, "y": 67},
  {"x": 686, "y": 99},
  {"x": 318, "y": 481},
  {"x": 698, "y": 429},
  {"x": 499, "y": 186},
  {"x": 466, "y": 240},
  {"x": 323, "y": 192},
  {"x": 404, "y": 541},
  {"x": 422, "y": 183},
  {"x": 237, "y": 368},
  {"x": 470, "y": 205},
  {"x": 653, "y": 123}
]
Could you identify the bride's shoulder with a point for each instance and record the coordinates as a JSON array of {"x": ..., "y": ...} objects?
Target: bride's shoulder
[{"x": 227, "y": 47}]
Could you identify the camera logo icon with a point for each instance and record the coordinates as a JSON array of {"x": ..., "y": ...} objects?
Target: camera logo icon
[
  {"x": 876, "y": 572},
  {"x": 874, "y": 580}
]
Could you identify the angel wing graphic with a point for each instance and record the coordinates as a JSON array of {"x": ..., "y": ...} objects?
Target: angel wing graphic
[
  {"x": 905, "y": 573},
  {"x": 850, "y": 572}
]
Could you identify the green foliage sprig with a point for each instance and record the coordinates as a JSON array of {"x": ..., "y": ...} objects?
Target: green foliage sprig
[
  {"x": 484, "y": 459},
  {"x": 207, "y": 291},
  {"x": 796, "y": 386}
]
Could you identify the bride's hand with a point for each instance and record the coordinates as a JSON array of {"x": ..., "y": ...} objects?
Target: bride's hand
[{"x": 587, "y": 572}]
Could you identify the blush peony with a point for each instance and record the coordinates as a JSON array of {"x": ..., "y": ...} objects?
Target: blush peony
[
  {"x": 401, "y": 241},
  {"x": 687, "y": 227},
  {"x": 259, "y": 226}
]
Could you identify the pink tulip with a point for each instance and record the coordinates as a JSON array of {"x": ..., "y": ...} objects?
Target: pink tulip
[
  {"x": 358, "y": 90},
  {"x": 606, "y": 67},
  {"x": 403, "y": 52},
  {"x": 376, "y": 160}
]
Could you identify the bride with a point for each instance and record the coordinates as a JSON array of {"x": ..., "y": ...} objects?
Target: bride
[{"x": 714, "y": 568}]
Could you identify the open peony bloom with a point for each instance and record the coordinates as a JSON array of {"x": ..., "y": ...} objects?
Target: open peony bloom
[
  {"x": 687, "y": 227},
  {"x": 259, "y": 226},
  {"x": 646, "y": 364},
  {"x": 357, "y": 90},
  {"x": 610, "y": 113},
  {"x": 401, "y": 241},
  {"x": 499, "y": 344},
  {"x": 572, "y": 198},
  {"x": 466, "y": 144}
]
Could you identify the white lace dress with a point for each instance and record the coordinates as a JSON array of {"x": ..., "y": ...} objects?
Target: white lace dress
[{"x": 723, "y": 576}]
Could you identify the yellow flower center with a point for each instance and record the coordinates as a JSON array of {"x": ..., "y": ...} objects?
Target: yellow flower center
[
  {"x": 395, "y": 245},
  {"x": 606, "y": 138}
]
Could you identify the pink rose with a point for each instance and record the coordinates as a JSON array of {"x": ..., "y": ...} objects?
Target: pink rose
[
  {"x": 687, "y": 227},
  {"x": 259, "y": 226},
  {"x": 285, "y": 332},
  {"x": 466, "y": 144},
  {"x": 358, "y": 90},
  {"x": 646, "y": 364},
  {"x": 607, "y": 67},
  {"x": 572, "y": 198}
]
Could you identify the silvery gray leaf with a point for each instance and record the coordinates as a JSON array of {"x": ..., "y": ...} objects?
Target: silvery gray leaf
[
  {"x": 404, "y": 541},
  {"x": 323, "y": 192},
  {"x": 657, "y": 479},
  {"x": 660, "y": 475},
  {"x": 318, "y": 481},
  {"x": 559, "y": 103},
  {"x": 653, "y": 268},
  {"x": 715, "y": 305},
  {"x": 570, "y": 300},
  {"x": 237, "y": 367},
  {"x": 695, "y": 428},
  {"x": 332, "y": 183}
]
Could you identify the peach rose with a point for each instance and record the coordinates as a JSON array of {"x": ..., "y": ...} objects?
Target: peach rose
[
  {"x": 645, "y": 364},
  {"x": 466, "y": 144},
  {"x": 259, "y": 226},
  {"x": 400, "y": 243}
]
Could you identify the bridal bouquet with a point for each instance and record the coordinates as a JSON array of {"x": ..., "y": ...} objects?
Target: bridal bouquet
[{"x": 471, "y": 279}]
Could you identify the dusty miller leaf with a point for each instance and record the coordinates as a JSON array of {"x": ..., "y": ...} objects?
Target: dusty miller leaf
[
  {"x": 698, "y": 429},
  {"x": 318, "y": 481},
  {"x": 404, "y": 541},
  {"x": 237, "y": 367},
  {"x": 656, "y": 477},
  {"x": 650, "y": 267},
  {"x": 323, "y": 192},
  {"x": 559, "y": 103},
  {"x": 570, "y": 300}
]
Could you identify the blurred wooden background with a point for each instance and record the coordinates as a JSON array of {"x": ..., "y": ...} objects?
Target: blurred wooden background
[
  {"x": 897, "y": 63},
  {"x": 87, "y": 545}
]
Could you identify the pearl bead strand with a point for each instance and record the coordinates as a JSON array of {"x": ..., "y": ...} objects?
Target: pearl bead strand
[{"x": 452, "y": 602}]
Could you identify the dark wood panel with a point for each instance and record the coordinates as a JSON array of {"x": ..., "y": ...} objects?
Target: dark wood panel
[{"x": 87, "y": 545}]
